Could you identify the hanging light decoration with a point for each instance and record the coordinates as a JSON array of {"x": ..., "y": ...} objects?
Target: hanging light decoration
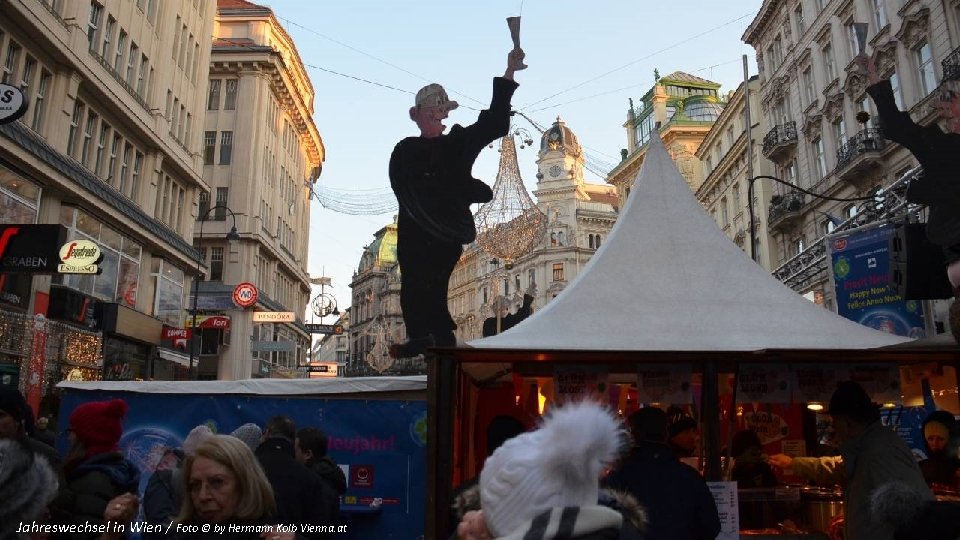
[
  {"x": 511, "y": 224},
  {"x": 378, "y": 357}
]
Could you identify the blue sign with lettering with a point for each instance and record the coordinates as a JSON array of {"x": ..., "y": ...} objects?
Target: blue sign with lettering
[
  {"x": 860, "y": 263},
  {"x": 380, "y": 445}
]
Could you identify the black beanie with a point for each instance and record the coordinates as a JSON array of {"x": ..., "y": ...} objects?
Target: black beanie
[{"x": 13, "y": 403}]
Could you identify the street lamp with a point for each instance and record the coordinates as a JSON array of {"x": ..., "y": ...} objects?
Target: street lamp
[{"x": 232, "y": 236}]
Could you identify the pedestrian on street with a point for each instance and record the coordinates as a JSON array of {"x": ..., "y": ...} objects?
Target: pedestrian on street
[{"x": 871, "y": 455}]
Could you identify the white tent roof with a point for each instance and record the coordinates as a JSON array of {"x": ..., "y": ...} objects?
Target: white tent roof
[
  {"x": 264, "y": 387},
  {"x": 667, "y": 279}
]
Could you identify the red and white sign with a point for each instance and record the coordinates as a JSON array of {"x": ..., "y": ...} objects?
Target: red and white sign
[
  {"x": 177, "y": 336},
  {"x": 361, "y": 476},
  {"x": 219, "y": 322},
  {"x": 245, "y": 295}
]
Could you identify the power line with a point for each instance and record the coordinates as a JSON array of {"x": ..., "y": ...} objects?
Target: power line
[{"x": 675, "y": 45}]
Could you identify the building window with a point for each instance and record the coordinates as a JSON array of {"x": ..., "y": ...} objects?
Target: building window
[
  {"x": 204, "y": 205},
  {"x": 121, "y": 43},
  {"x": 531, "y": 278},
  {"x": 850, "y": 210},
  {"x": 220, "y": 213},
  {"x": 142, "y": 75},
  {"x": 89, "y": 129},
  {"x": 120, "y": 268},
  {"x": 808, "y": 89},
  {"x": 864, "y": 105},
  {"x": 10, "y": 64},
  {"x": 590, "y": 241},
  {"x": 125, "y": 169},
  {"x": 928, "y": 78},
  {"x": 114, "y": 153},
  {"x": 74, "y": 132},
  {"x": 209, "y": 146},
  {"x": 839, "y": 131},
  {"x": 101, "y": 148},
  {"x": 168, "y": 301},
  {"x": 791, "y": 173},
  {"x": 230, "y": 98},
  {"x": 19, "y": 198},
  {"x": 897, "y": 92},
  {"x": 798, "y": 17},
  {"x": 107, "y": 37},
  {"x": 558, "y": 271},
  {"x": 818, "y": 158},
  {"x": 216, "y": 264},
  {"x": 39, "y": 103},
  {"x": 176, "y": 38},
  {"x": 132, "y": 62},
  {"x": 96, "y": 12},
  {"x": 852, "y": 40},
  {"x": 829, "y": 69},
  {"x": 879, "y": 14},
  {"x": 226, "y": 147},
  {"x": 213, "y": 95},
  {"x": 135, "y": 180},
  {"x": 827, "y": 226}
]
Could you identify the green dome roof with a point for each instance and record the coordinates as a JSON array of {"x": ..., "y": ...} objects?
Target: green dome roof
[{"x": 382, "y": 251}]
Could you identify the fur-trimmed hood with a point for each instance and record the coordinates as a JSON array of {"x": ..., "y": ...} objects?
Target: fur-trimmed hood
[
  {"x": 626, "y": 504},
  {"x": 27, "y": 485}
]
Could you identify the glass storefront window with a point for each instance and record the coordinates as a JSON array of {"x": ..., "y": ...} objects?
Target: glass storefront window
[
  {"x": 169, "y": 296},
  {"x": 18, "y": 198},
  {"x": 120, "y": 269}
]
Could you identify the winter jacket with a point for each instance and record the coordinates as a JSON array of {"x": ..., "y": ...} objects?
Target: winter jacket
[
  {"x": 675, "y": 496},
  {"x": 874, "y": 457},
  {"x": 433, "y": 180},
  {"x": 301, "y": 496},
  {"x": 89, "y": 487},
  {"x": 27, "y": 484},
  {"x": 633, "y": 527},
  {"x": 939, "y": 187},
  {"x": 571, "y": 523},
  {"x": 330, "y": 472},
  {"x": 161, "y": 499}
]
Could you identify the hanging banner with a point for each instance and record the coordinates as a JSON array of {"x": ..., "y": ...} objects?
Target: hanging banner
[
  {"x": 880, "y": 381},
  {"x": 859, "y": 267},
  {"x": 662, "y": 383},
  {"x": 576, "y": 382},
  {"x": 814, "y": 383},
  {"x": 379, "y": 444},
  {"x": 763, "y": 383}
]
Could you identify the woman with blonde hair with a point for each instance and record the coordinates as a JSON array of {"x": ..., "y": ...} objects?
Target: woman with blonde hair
[{"x": 226, "y": 487}]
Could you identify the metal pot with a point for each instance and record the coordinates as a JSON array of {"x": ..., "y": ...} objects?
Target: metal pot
[{"x": 822, "y": 505}]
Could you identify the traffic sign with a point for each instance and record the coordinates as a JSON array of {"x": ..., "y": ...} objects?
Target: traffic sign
[
  {"x": 245, "y": 294},
  {"x": 336, "y": 329}
]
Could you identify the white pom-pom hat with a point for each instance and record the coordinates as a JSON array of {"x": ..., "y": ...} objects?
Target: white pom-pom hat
[{"x": 557, "y": 465}]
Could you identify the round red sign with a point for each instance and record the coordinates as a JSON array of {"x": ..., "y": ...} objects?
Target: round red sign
[{"x": 245, "y": 295}]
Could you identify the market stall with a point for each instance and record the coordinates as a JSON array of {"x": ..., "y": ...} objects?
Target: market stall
[{"x": 668, "y": 305}]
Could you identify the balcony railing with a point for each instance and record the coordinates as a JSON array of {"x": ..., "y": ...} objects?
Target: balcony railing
[
  {"x": 951, "y": 66},
  {"x": 787, "y": 206},
  {"x": 119, "y": 78},
  {"x": 779, "y": 138},
  {"x": 866, "y": 141}
]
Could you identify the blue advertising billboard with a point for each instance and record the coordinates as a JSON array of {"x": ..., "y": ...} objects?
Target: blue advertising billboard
[
  {"x": 860, "y": 263},
  {"x": 380, "y": 445}
]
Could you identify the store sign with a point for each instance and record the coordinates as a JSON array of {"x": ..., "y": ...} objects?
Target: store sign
[
  {"x": 80, "y": 257},
  {"x": 218, "y": 322},
  {"x": 664, "y": 384},
  {"x": 13, "y": 104},
  {"x": 322, "y": 369},
  {"x": 31, "y": 249},
  {"x": 245, "y": 295},
  {"x": 175, "y": 338},
  {"x": 273, "y": 346},
  {"x": 572, "y": 383},
  {"x": 274, "y": 317}
]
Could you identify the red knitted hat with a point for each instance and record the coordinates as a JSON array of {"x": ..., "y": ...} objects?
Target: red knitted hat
[{"x": 99, "y": 425}]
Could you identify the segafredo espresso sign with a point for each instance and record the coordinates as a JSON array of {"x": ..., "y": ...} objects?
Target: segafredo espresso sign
[
  {"x": 80, "y": 257},
  {"x": 13, "y": 104}
]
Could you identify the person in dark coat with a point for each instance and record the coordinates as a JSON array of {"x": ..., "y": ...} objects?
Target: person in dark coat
[
  {"x": 940, "y": 437},
  {"x": 432, "y": 179},
  {"x": 311, "y": 450},
  {"x": 913, "y": 516},
  {"x": 301, "y": 496},
  {"x": 508, "y": 321},
  {"x": 16, "y": 422},
  {"x": 95, "y": 470},
  {"x": 677, "y": 500},
  {"x": 936, "y": 150},
  {"x": 42, "y": 433}
]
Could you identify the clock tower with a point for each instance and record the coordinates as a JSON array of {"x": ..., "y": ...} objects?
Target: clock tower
[{"x": 559, "y": 164}]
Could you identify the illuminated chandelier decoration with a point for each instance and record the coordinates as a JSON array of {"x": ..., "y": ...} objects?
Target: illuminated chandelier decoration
[
  {"x": 378, "y": 357},
  {"x": 511, "y": 224}
]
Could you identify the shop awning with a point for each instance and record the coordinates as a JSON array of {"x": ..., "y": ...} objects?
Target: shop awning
[
  {"x": 174, "y": 356},
  {"x": 668, "y": 279}
]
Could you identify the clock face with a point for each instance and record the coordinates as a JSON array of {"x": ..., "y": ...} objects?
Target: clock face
[{"x": 555, "y": 171}]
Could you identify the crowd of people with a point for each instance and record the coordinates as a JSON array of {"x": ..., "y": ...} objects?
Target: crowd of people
[{"x": 251, "y": 477}]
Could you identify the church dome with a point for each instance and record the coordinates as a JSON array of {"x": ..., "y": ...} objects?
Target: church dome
[
  {"x": 702, "y": 109},
  {"x": 558, "y": 137},
  {"x": 382, "y": 251}
]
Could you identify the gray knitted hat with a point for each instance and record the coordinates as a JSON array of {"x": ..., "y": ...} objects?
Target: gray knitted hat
[{"x": 250, "y": 434}]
